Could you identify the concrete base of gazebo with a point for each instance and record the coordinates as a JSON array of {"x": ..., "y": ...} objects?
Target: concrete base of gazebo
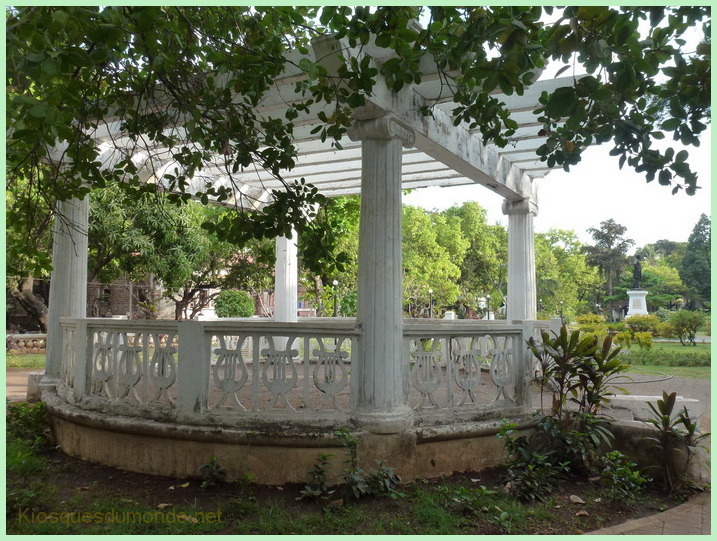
[{"x": 273, "y": 455}]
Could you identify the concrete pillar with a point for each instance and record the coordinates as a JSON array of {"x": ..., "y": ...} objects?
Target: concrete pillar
[
  {"x": 521, "y": 259},
  {"x": 286, "y": 281},
  {"x": 379, "y": 379},
  {"x": 68, "y": 281}
]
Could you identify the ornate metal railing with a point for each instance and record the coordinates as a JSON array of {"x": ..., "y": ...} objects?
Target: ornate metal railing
[{"x": 231, "y": 370}]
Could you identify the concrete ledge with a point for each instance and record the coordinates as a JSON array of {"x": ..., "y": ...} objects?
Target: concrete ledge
[
  {"x": 273, "y": 455},
  {"x": 637, "y": 405}
]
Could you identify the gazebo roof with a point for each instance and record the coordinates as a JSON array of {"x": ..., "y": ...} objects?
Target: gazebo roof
[{"x": 443, "y": 154}]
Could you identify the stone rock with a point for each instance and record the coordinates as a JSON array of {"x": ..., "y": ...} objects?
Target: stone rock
[
  {"x": 577, "y": 499},
  {"x": 336, "y": 503},
  {"x": 582, "y": 514}
]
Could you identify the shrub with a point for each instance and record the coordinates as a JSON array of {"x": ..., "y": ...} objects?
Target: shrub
[
  {"x": 642, "y": 322},
  {"x": 623, "y": 339},
  {"x": 658, "y": 357},
  {"x": 686, "y": 324},
  {"x": 230, "y": 303},
  {"x": 616, "y": 327},
  {"x": 27, "y": 422},
  {"x": 675, "y": 437},
  {"x": 665, "y": 330},
  {"x": 644, "y": 340},
  {"x": 592, "y": 323}
]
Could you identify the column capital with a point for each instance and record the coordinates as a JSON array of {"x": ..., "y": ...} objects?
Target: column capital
[
  {"x": 384, "y": 127},
  {"x": 524, "y": 206}
]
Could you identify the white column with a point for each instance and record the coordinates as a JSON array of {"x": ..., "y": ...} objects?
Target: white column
[
  {"x": 286, "y": 279},
  {"x": 521, "y": 259},
  {"x": 68, "y": 282},
  {"x": 379, "y": 379}
]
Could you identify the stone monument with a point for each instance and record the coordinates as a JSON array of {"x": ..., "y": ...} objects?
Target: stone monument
[{"x": 638, "y": 304}]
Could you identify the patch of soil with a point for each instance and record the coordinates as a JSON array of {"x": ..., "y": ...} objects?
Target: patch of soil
[{"x": 79, "y": 483}]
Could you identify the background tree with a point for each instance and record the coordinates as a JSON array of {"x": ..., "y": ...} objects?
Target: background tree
[
  {"x": 426, "y": 263},
  {"x": 150, "y": 237},
  {"x": 563, "y": 274},
  {"x": 202, "y": 71},
  {"x": 483, "y": 269},
  {"x": 328, "y": 251},
  {"x": 609, "y": 253},
  {"x": 27, "y": 274},
  {"x": 696, "y": 267}
]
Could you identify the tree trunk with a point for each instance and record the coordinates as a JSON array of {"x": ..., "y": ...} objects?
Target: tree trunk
[{"x": 33, "y": 304}]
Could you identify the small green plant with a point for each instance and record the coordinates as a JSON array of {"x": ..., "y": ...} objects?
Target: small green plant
[
  {"x": 355, "y": 477},
  {"x": 530, "y": 475},
  {"x": 212, "y": 473},
  {"x": 504, "y": 520},
  {"x": 317, "y": 488},
  {"x": 622, "y": 481},
  {"x": 466, "y": 500},
  {"x": 358, "y": 483},
  {"x": 676, "y": 438},
  {"x": 385, "y": 481}
]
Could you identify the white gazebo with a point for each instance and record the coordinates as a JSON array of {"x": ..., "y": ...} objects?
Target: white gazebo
[{"x": 162, "y": 396}]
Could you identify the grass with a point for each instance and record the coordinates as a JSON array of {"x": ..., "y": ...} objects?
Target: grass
[
  {"x": 26, "y": 361},
  {"x": 696, "y": 372}
]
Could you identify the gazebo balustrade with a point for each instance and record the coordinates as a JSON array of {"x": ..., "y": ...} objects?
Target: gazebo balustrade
[{"x": 229, "y": 371}]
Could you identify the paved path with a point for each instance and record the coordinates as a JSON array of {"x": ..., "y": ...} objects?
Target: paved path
[
  {"x": 16, "y": 384},
  {"x": 690, "y": 518}
]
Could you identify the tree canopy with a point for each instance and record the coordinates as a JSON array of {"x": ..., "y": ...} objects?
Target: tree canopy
[
  {"x": 696, "y": 267},
  {"x": 189, "y": 79}
]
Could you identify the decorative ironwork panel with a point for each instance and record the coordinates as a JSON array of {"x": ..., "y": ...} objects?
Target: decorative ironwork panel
[
  {"x": 230, "y": 372},
  {"x": 330, "y": 374},
  {"x": 279, "y": 372},
  {"x": 427, "y": 373},
  {"x": 163, "y": 366}
]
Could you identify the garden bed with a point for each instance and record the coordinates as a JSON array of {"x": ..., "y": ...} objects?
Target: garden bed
[{"x": 448, "y": 505}]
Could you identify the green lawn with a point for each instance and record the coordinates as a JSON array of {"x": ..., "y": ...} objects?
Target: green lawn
[
  {"x": 698, "y": 372},
  {"x": 28, "y": 361}
]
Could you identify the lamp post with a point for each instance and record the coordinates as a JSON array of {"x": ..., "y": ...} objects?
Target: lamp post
[
  {"x": 430, "y": 304},
  {"x": 487, "y": 300},
  {"x": 561, "y": 313},
  {"x": 336, "y": 305}
]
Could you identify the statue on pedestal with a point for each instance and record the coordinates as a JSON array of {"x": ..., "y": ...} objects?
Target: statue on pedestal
[{"x": 636, "y": 273}]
